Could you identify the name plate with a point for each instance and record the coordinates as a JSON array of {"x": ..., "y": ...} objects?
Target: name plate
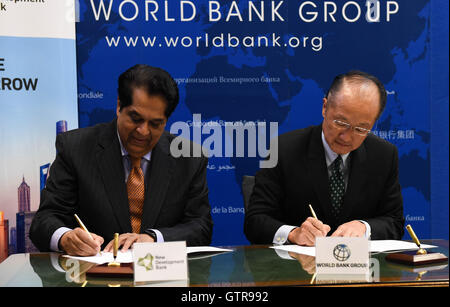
[
  {"x": 341, "y": 255},
  {"x": 160, "y": 261}
]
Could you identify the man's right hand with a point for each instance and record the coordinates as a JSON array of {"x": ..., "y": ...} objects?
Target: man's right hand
[
  {"x": 77, "y": 242},
  {"x": 306, "y": 234}
]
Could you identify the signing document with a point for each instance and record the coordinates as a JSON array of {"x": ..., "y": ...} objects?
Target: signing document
[{"x": 375, "y": 246}]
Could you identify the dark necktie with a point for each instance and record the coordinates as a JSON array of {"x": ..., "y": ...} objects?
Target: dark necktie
[
  {"x": 136, "y": 191},
  {"x": 337, "y": 186}
]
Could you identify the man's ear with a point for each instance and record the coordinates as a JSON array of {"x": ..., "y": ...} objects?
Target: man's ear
[
  {"x": 118, "y": 107},
  {"x": 324, "y": 106}
]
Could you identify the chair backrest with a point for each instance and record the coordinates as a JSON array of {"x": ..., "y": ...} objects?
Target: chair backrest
[{"x": 248, "y": 182}]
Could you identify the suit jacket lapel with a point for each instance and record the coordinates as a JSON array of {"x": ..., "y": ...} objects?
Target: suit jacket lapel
[
  {"x": 158, "y": 178},
  {"x": 317, "y": 170},
  {"x": 109, "y": 159},
  {"x": 356, "y": 181}
]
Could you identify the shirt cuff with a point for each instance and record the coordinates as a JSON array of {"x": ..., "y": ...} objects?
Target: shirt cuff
[
  {"x": 159, "y": 236},
  {"x": 368, "y": 229},
  {"x": 54, "y": 241},
  {"x": 281, "y": 236}
]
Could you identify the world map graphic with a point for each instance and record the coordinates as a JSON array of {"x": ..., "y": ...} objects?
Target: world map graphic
[{"x": 279, "y": 84}]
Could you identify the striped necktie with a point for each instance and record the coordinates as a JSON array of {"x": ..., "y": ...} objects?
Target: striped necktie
[{"x": 135, "y": 190}]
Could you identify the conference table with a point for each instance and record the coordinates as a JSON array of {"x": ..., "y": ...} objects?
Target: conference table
[{"x": 244, "y": 266}]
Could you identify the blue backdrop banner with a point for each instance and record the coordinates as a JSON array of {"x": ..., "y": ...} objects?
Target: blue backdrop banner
[{"x": 252, "y": 62}]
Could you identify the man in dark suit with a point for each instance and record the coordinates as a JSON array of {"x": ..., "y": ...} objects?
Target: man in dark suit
[
  {"x": 349, "y": 176},
  {"x": 120, "y": 177}
]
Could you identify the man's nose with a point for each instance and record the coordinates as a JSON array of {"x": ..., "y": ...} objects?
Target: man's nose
[
  {"x": 143, "y": 129},
  {"x": 346, "y": 136}
]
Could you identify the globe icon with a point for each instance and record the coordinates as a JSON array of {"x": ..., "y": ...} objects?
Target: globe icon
[{"x": 341, "y": 252}]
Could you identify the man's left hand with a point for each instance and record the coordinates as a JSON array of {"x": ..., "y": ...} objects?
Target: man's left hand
[
  {"x": 126, "y": 240},
  {"x": 350, "y": 229}
]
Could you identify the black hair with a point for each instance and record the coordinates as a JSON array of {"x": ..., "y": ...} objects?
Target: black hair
[
  {"x": 356, "y": 76},
  {"x": 155, "y": 81}
]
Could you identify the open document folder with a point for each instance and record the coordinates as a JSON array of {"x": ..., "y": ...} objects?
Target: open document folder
[
  {"x": 375, "y": 246},
  {"x": 127, "y": 257}
]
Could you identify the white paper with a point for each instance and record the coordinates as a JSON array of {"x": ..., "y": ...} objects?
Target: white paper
[
  {"x": 375, "y": 246},
  {"x": 206, "y": 249},
  {"x": 122, "y": 257},
  {"x": 380, "y": 246}
]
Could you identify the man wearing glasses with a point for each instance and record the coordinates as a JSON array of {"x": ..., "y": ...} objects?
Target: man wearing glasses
[{"x": 348, "y": 175}]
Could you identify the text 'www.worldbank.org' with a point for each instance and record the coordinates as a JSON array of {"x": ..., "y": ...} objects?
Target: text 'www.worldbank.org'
[{"x": 217, "y": 41}]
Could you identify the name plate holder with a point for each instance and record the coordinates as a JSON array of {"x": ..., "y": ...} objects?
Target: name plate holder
[
  {"x": 342, "y": 256},
  {"x": 160, "y": 262}
]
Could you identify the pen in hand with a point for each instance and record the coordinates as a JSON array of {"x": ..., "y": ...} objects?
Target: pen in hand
[
  {"x": 84, "y": 228},
  {"x": 324, "y": 228},
  {"x": 312, "y": 212}
]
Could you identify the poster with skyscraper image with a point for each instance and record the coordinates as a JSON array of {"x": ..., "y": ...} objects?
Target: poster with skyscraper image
[{"x": 38, "y": 100}]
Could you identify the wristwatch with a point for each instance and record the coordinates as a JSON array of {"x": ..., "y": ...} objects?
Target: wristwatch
[{"x": 151, "y": 233}]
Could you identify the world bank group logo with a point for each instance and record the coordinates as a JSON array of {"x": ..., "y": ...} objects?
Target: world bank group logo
[
  {"x": 146, "y": 262},
  {"x": 341, "y": 252}
]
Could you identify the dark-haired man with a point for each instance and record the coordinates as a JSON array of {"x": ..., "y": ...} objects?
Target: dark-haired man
[
  {"x": 120, "y": 177},
  {"x": 349, "y": 176}
]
